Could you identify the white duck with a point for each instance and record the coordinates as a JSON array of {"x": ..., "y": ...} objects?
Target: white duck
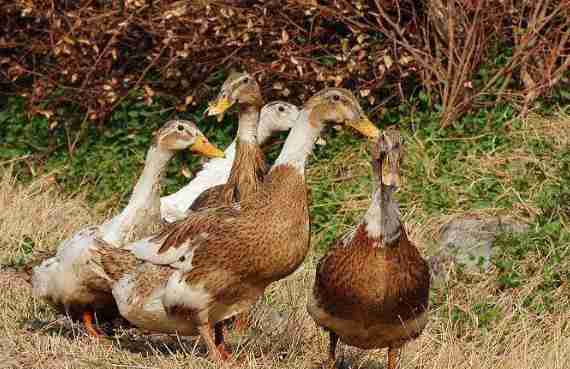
[
  {"x": 66, "y": 280},
  {"x": 277, "y": 116}
]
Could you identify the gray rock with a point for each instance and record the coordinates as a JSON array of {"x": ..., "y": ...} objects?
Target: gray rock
[{"x": 469, "y": 240}]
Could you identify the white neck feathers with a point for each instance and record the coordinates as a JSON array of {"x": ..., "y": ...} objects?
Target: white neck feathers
[
  {"x": 146, "y": 194},
  {"x": 264, "y": 130},
  {"x": 248, "y": 122},
  {"x": 299, "y": 143}
]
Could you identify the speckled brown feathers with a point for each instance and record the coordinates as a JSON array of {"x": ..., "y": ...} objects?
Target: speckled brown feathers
[
  {"x": 392, "y": 282},
  {"x": 115, "y": 262},
  {"x": 236, "y": 252},
  {"x": 210, "y": 198},
  {"x": 246, "y": 232},
  {"x": 246, "y": 175},
  {"x": 263, "y": 246},
  {"x": 244, "y": 180}
]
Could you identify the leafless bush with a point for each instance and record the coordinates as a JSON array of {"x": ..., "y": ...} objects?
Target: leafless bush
[
  {"x": 457, "y": 37},
  {"x": 93, "y": 53},
  {"x": 541, "y": 37}
]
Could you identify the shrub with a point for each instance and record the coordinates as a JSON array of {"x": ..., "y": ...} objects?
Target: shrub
[{"x": 94, "y": 53}]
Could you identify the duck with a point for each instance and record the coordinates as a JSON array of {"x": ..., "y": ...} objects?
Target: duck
[
  {"x": 249, "y": 166},
  {"x": 66, "y": 279},
  {"x": 195, "y": 274},
  {"x": 371, "y": 289},
  {"x": 276, "y": 116}
]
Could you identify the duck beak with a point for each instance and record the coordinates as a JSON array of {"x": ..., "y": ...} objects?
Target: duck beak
[
  {"x": 365, "y": 126},
  {"x": 219, "y": 106},
  {"x": 202, "y": 146},
  {"x": 392, "y": 177}
]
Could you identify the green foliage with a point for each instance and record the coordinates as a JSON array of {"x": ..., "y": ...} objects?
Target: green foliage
[
  {"x": 479, "y": 163},
  {"x": 105, "y": 163},
  {"x": 27, "y": 247}
]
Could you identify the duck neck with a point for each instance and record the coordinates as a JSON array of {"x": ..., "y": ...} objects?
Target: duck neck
[
  {"x": 146, "y": 195},
  {"x": 157, "y": 159},
  {"x": 300, "y": 142},
  {"x": 266, "y": 127},
  {"x": 248, "y": 167},
  {"x": 248, "y": 123},
  {"x": 263, "y": 130},
  {"x": 382, "y": 220}
]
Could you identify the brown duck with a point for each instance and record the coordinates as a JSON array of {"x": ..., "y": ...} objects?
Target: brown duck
[
  {"x": 372, "y": 287},
  {"x": 218, "y": 262},
  {"x": 249, "y": 166}
]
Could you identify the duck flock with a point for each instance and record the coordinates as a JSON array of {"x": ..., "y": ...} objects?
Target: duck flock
[{"x": 187, "y": 262}]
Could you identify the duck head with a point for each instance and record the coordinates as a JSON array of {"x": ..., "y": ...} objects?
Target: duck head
[
  {"x": 340, "y": 106},
  {"x": 387, "y": 157},
  {"x": 276, "y": 116},
  {"x": 239, "y": 88},
  {"x": 178, "y": 135}
]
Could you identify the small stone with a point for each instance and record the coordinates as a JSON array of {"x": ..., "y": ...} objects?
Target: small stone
[{"x": 469, "y": 240}]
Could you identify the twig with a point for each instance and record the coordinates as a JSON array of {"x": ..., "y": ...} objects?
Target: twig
[{"x": 15, "y": 160}]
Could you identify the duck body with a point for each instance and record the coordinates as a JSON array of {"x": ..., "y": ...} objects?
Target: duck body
[
  {"x": 230, "y": 279},
  {"x": 370, "y": 295},
  {"x": 139, "y": 293},
  {"x": 59, "y": 279},
  {"x": 219, "y": 282},
  {"x": 68, "y": 280}
]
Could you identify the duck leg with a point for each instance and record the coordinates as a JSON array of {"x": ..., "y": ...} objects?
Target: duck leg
[
  {"x": 216, "y": 353},
  {"x": 241, "y": 322},
  {"x": 393, "y": 356},
  {"x": 333, "y": 342},
  {"x": 88, "y": 322},
  {"x": 219, "y": 339}
]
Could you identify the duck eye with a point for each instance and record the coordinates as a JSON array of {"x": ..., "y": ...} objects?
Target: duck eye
[
  {"x": 180, "y": 128},
  {"x": 336, "y": 97},
  {"x": 182, "y": 258},
  {"x": 246, "y": 80},
  {"x": 281, "y": 108}
]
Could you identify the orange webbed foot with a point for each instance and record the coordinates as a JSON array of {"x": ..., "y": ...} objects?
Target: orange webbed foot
[
  {"x": 224, "y": 354},
  {"x": 89, "y": 326}
]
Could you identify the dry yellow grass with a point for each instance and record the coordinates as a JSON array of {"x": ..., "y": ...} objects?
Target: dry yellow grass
[
  {"x": 36, "y": 216},
  {"x": 34, "y": 336}
]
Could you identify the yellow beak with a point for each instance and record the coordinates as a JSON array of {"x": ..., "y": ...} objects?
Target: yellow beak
[
  {"x": 219, "y": 106},
  {"x": 391, "y": 168},
  {"x": 392, "y": 178},
  {"x": 205, "y": 148},
  {"x": 366, "y": 127}
]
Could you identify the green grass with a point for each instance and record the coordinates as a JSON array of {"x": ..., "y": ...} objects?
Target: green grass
[
  {"x": 489, "y": 163},
  {"x": 108, "y": 159},
  {"x": 472, "y": 166}
]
